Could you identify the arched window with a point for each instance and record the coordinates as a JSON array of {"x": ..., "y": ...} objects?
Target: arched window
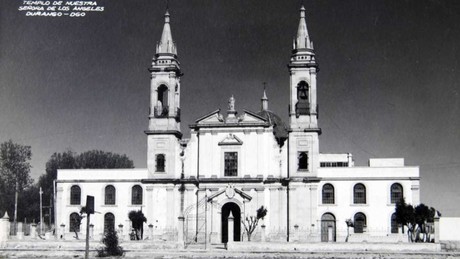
[
  {"x": 161, "y": 107},
  {"x": 160, "y": 163},
  {"x": 109, "y": 195},
  {"x": 328, "y": 194},
  {"x": 303, "y": 161},
  {"x": 75, "y": 195},
  {"x": 394, "y": 224},
  {"x": 359, "y": 194},
  {"x": 360, "y": 222},
  {"x": 396, "y": 192},
  {"x": 74, "y": 222},
  {"x": 109, "y": 222},
  {"x": 136, "y": 195},
  {"x": 302, "y": 91},
  {"x": 327, "y": 225},
  {"x": 302, "y": 106},
  {"x": 163, "y": 95}
]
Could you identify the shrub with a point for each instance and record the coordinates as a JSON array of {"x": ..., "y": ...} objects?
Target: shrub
[{"x": 111, "y": 248}]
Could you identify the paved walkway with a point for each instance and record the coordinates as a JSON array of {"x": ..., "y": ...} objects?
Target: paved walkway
[{"x": 75, "y": 249}]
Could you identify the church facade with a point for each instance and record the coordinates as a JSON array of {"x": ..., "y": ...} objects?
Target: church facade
[{"x": 235, "y": 163}]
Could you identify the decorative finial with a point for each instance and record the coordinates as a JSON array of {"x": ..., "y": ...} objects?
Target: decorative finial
[{"x": 264, "y": 99}]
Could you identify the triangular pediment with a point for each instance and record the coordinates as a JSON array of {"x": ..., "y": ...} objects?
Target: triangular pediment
[
  {"x": 230, "y": 192},
  {"x": 250, "y": 117},
  {"x": 231, "y": 140},
  {"x": 212, "y": 118}
]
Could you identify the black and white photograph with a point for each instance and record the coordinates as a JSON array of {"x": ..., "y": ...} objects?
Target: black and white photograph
[{"x": 230, "y": 129}]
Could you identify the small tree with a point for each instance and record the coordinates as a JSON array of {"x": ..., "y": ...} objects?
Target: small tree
[
  {"x": 138, "y": 219},
  {"x": 250, "y": 223},
  {"x": 350, "y": 224},
  {"x": 76, "y": 220},
  {"x": 111, "y": 248},
  {"x": 415, "y": 219}
]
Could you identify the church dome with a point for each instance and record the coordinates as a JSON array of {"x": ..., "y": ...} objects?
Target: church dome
[{"x": 279, "y": 128}]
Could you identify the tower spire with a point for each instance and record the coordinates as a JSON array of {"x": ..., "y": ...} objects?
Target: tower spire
[
  {"x": 302, "y": 40},
  {"x": 166, "y": 44}
]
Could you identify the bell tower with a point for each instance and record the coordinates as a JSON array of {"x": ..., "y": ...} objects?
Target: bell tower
[
  {"x": 164, "y": 133},
  {"x": 303, "y": 108}
]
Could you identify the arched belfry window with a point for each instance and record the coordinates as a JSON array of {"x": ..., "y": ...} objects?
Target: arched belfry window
[
  {"x": 161, "y": 107},
  {"x": 303, "y": 105},
  {"x": 328, "y": 194},
  {"x": 109, "y": 195},
  {"x": 360, "y": 222},
  {"x": 396, "y": 192},
  {"x": 303, "y": 161},
  {"x": 359, "y": 194},
  {"x": 160, "y": 162},
  {"x": 136, "y": 195},
  {"x": 75, "y": 195}
]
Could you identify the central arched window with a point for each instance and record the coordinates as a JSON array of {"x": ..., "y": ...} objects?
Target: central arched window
[
  {"x": 160, "y": 163},
  {"x": 75, "y": 195},
  {"x": 328, "y": 194},
  {"x": 396, "y": 192},
  {"x": 360, "y": 222},
  {"x": 359, "y": 194},
  {"x": 109, "y": 195},
  {"x": 136, "y": 195},
  {"x": 303, "y": 161},
  {"x": 109, "y": 222}
]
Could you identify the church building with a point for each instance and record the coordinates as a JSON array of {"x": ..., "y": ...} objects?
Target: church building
[{"x": 236, "y": 162}]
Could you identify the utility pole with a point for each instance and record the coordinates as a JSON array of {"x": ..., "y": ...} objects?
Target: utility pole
[
  {"x": 41, "y": 211},
  {"x": 16, "y": 205}
]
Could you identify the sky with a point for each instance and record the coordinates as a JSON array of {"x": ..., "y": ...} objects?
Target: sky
[{"x": 388, "y": 84}]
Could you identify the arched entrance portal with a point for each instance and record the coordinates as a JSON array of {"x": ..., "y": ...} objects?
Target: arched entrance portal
[
  {"x": 236, "y": 212},
  {"x": 327, "y": 228}
]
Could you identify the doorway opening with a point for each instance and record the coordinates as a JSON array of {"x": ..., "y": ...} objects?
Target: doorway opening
[{"x": 236, "y": 212}]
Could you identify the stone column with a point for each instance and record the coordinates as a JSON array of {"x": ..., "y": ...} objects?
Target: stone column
[
  {"x": 120, "y": 230},
  {"x": 296, "y": 233},
  {"x": 180, "y": 231},
  {"x": 62, "y": 231},
  {"x": 231, "y": 228},
  {"x": 33, "y": 230},
  {"x": 437, "y": 231},
  {"x": 20, "y": 232},
  {"x": 263, "y": 238},
  {"x": 4, "y": 233},
  {"x": 151, "y": 232}
]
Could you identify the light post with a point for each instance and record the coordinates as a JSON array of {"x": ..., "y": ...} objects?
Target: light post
[{"x": 41, "y": 214}]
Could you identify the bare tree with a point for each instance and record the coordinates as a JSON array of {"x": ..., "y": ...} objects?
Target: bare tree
[{"x": 250, "y": 223}]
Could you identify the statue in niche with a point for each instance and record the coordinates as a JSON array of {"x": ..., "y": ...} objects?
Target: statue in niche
[{"x": 231, "y": 104}]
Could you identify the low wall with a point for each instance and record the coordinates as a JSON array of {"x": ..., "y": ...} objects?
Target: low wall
[
  {"x": 448, "y": 229},
  {"x": 319, "y": 247}
]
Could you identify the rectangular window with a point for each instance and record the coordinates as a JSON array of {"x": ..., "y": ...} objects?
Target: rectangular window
[
  {"x": 303, "y": 161},
  {"x": 231, "y": 163}
]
